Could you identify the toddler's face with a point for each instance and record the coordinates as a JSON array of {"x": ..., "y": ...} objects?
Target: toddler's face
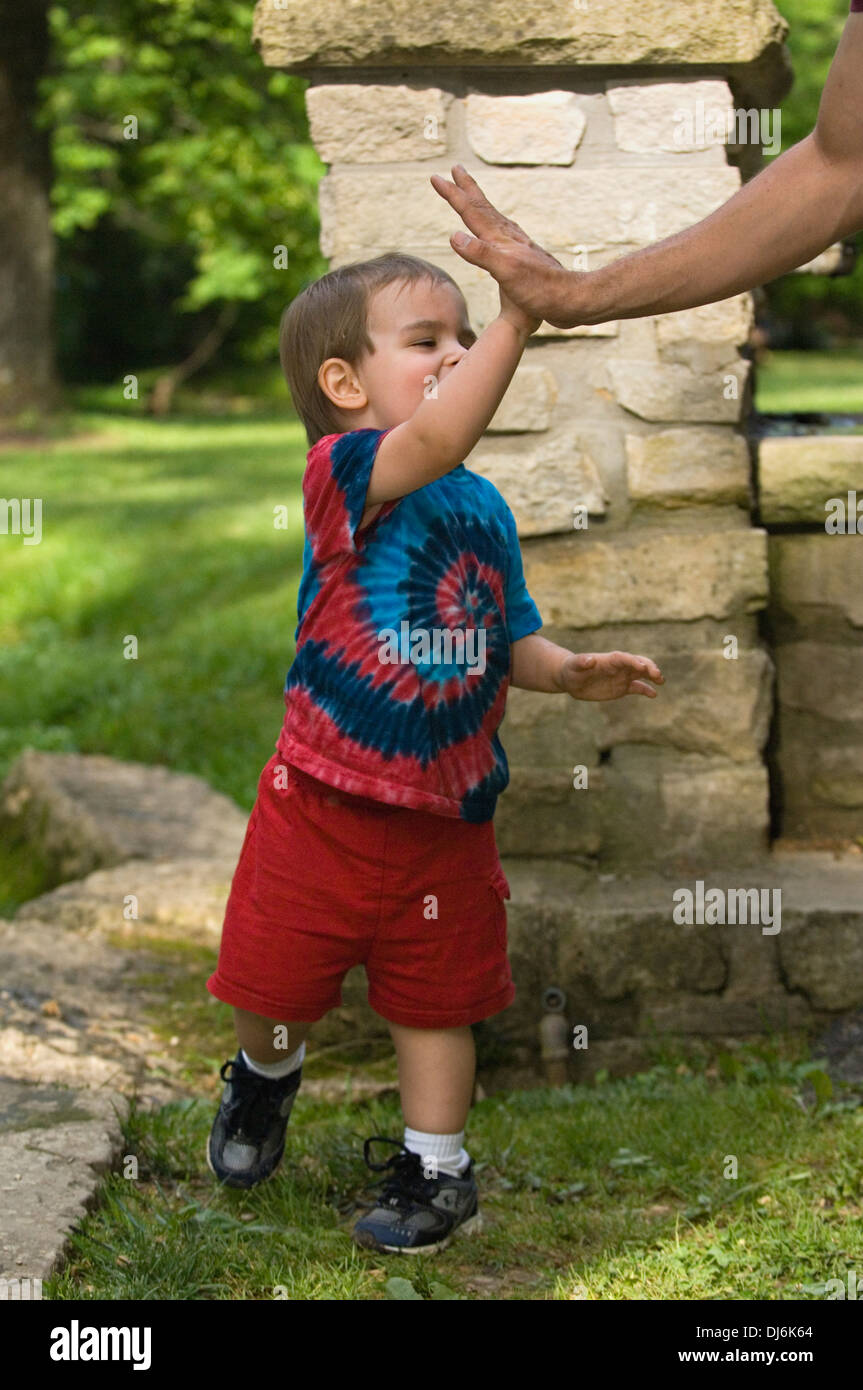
[{"x": 419, "y": 330}]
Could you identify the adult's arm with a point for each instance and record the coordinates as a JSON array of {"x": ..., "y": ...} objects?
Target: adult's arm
[{"x": 805, "y": 200}]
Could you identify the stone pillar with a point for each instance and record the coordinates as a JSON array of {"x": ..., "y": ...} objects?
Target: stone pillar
[
  {"x": 599, "y": 128},
  {"x": 808, "y": 491}
]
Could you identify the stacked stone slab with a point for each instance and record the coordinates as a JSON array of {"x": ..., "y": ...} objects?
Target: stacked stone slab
[
  {"x": 601, "y": 127},
  {"x": 808, "y": 497},
  {"x": 598, "y": 128}
]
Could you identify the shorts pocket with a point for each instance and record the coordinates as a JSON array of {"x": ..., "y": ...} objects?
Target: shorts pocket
[
  {"x": 500, "y": 883},
  {"x": 500, "y": 892}
]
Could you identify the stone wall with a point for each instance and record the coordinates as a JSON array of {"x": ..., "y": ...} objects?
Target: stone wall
[
  {"x": 699, "y": 548},
  {"x": 807, "y": 494},
  {"x": 618, "y": 446}
]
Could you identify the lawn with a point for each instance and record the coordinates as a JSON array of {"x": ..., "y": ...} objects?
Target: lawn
[
  {"x": 618, "y": 1190},
  {"x": 164, "y": 531},
  {"x": 829, "y": 382}
]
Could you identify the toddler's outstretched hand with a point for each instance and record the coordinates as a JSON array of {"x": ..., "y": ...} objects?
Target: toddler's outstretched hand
[{"x": 608, "y": 675}]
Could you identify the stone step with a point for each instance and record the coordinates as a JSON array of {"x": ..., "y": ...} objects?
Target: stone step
[
  {"x": 183, "y": 896},
  {"x": 85, "y": 811},
  {"x": 55, "y": 1145},
  {"x": 629, "y": 971}
]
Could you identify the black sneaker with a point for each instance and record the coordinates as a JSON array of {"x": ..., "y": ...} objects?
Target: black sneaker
[
  {"x": 414, "y": 1214},
  {"x": 248, "y": 1136}
]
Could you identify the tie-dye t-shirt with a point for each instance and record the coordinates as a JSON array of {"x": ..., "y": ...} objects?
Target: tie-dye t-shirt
[{"x": 402, "y": 659}]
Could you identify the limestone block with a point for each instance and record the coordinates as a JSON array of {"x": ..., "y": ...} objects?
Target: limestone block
[
  {"x": 541, "y": 128},
  {"x": 527, "y": 405},
  {"x": 721, "y": 814},
  {"x": 819, "y": 764},
  {"x": 88, "y": 812},
  {"x": 815, "y": 573},
  {"x": 798, "y": 477},
  {"x": 377, "y": 123},
  {"x": 541, "y": 810},
  {"x": 611, "y": 949},
  {"x": 700, "y": 1014},
  {"x": 183, "y": 896},
  {"x": 708, "y": 337},
  {"x": 811, "y": 945},
  {"x": 656, "y": 577},
  {"x": 825, "y": 679},
  {"x": 674, "y": 117},
  {"x": 552, "y": 731},
  {"x": 551, "y": 748},
  {"x": 837, "y": 776},
  {"x": 689, "y": 811},
  {"x": 669, "y": 393},
  {"x": 679, "y": 468},
  {"x": 364, "y": 211},
  {"x": 543, "y": 481},
  {"x": 491, "y": 33},
  {"x": 708, "y": 704}
]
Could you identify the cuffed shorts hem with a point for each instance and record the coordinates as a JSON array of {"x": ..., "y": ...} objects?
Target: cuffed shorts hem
[
  {"x": 241, "y": 998},
  {"x": 435, "y": 1018}
]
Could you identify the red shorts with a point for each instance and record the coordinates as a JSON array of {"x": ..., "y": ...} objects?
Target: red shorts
[{"x": 327, "y": 880}]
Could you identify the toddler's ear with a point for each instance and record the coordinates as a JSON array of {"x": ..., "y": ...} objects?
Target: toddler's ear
[{"x": 341, "y": 385}]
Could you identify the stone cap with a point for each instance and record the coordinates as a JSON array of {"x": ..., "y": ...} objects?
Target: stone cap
[{"x": 731, "y": 37}]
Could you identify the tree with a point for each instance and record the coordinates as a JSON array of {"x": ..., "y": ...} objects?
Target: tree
[
  {"x": 27, "y": 370},
  {"x": 165, "y": 122}
]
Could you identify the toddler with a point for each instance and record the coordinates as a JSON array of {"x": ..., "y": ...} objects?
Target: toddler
[{"x": 371, "y": 839}]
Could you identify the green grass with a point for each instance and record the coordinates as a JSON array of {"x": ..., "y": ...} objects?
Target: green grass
[
  {"x": 831, "y": 382},
  {"x": 164, "y": 532},
  {"x": 609, "y": 1191}
]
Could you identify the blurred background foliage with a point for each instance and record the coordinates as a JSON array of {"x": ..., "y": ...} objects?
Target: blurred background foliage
[
  {"x": 170, "y": 238},
  {"x": 812, "y": 311},
  {"x": 167, "y": 241}
]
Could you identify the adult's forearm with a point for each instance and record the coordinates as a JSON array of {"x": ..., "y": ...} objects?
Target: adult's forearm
[{"x": 791, "y": 211}]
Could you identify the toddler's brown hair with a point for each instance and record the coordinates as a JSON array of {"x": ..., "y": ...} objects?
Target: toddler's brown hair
[{"x": 329, "y": 319}]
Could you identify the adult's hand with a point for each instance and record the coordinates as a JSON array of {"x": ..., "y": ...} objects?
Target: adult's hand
[
  {"x": 806, "y": 199},
  {"x": 532, "y": 278}
]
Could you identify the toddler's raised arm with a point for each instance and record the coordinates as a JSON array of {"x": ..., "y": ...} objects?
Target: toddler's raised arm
[{"x": 446, "y": 426}]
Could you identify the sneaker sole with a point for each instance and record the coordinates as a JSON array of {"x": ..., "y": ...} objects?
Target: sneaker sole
[
  {"x": 227, "y": 1182},
  {"x": 470, "y": 1227}
]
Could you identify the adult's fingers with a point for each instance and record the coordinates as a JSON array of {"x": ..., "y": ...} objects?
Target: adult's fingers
[
  {"x": 479, "y": 252},
  {"x": 467, "y": 199}
]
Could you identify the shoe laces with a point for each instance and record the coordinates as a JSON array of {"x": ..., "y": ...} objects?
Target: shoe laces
[
  {"x": 253, "y": 1103},
  {"x": 406, "y": 1182}
]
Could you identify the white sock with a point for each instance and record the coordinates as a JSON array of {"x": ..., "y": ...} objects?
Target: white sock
[
  {"x": 446, "y": 1149},
  {"x": 274, "y": 1070}
]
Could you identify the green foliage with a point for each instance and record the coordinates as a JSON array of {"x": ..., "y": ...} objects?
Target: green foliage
[
  {"x": 811, "y": 310},
  {"x": 165, "y": 122},
  {"x": 815, "y": 30}
]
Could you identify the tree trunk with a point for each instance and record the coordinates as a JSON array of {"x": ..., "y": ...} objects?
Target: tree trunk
[
  {"x": 27, "y": 363},
  {"x": 162, "y": 394}
]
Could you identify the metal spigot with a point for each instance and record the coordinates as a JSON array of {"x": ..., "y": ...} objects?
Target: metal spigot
[{"x": 554, "y": 1036}]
